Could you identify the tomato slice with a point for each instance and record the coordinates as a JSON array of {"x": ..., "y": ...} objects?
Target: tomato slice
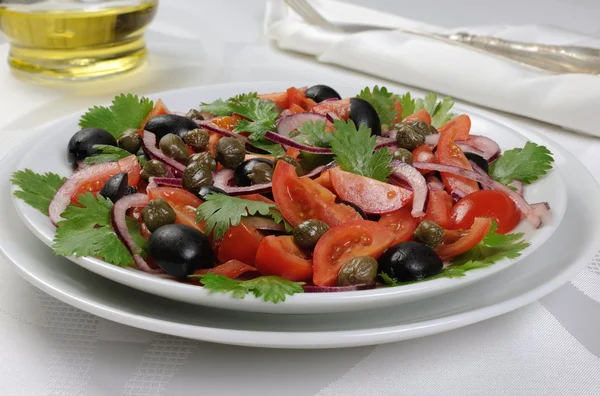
[
  {"x": 486, "y": 203},
  {"x": 257, "y": 198},
  {"x": 231, "y": 269},
  {"x": 301, "y": 199},
  {"x": 279, "y": 255},
  {"x": 94, "y": 184},
  {"x": 340, "y": 108},
  {"x": 158, "y": 109},
  {"x": 324, "y": 179},
  {"x": 398, "y": 108},
  {"x": 298, "y": 97},
  {"x": 422, "y": 115},
  {"x": 481, "y": 226},
  {"x": 183, "y": 202},
  {"x": 342, "y": 243},
  {"x": 241, "y": 243},
  {"x": 372, "y": 196},
  {"x": 296, "y": 109},
  {"x": 401, "y": 223},
  {"x": 293, "y": 152},
  {"x": 462, "y": 124},
  {"x": 449, "y": 153},
  {"x": 439, "y": 207},
  {"x": 279, "y": 98}
]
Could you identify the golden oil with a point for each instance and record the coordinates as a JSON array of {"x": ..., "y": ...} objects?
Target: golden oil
[{"x": 77, "y": 43}]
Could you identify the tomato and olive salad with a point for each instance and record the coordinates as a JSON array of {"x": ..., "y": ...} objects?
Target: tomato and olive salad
[{"x": 296, "y": 191}]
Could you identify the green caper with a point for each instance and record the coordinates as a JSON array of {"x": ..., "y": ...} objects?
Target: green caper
[
  {"x": 158, "y": 213},
  {"x": 408, "y": 137},
  {"x": 194, "y": 115},
  {"x": 173, "y": 146},
  {"x": 195, "y": 176},
  {"x": 429, "y": 233},
  {"x": 154, "y": 168},
  {"x": 362, "y": 269},
  {"x": 261, "y": 173},
  {"x": 403, "y": 155},
  {"x": 230, "y": 152},
  {"x": 291, "y": 161},
  {"x": 307, "y": 234},
  {"x": 130, "y": 140},
  {"x": 197, "y": 138},
  {"x": 204, "y": 158},
  {"x": 423, "y": 127}
]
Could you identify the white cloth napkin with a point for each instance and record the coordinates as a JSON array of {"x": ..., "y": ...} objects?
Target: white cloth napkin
[{"x": 570, "y": 100}]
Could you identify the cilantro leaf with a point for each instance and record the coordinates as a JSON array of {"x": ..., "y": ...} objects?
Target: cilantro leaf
[
  {"x": 219, "y": 212},
  {"x": 526, "y": 164},
  {"x": 383, "y": 102},
  {"x": 428, "y": 103},
  {"x": 87, "y": 231},
  {"x": 268, "y": 146},
  {"x": 312, "y": 133},
  {"x": 218, "y": 108},
  {"x": 439, "y": 111},
  {"x": 37, "y": 190},
  {"x": 408, "y": 104},
  {"x": 261, "y": 115},
  {"x": 126, "y": 111},
  {"x": 106, "y": 154},
  {"x": 354, "y": 151},
  {"x": 270, "y": 288}
]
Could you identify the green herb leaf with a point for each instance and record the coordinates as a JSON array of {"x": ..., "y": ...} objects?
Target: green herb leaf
[
  {"x": 386, "y": 279},
  {"x": 527, "y": 164},
  {"x": 428, "y": 103},
  {"x": 354, "y": 151},
  {"x": 408, "y": 104},
  {"x": 126, "y": 111},
  {"x": 312, "y": 133},
  {"x": 87, "y": 231},
  {"x": 106, "y": 154},
  {"x": 383, "y": 102},
  {"x": 270, "y": 288},
  {"x": 37, "y": 190},
  {"x": 218, "y": 108},
  {"x": 270, "y": 147},
  {"x": 219, "y": 212},
  {"x": 261, "y": 114},
  {"x": 439, "y": 111}
]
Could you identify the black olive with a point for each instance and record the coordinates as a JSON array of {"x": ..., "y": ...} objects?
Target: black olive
[
  {"x": 130, "y": 190},
  {"x": 362, "y": 113},
  {"x": 479, "y": 161},
  {"x": 353, "y": 206},
  {"x": 82, "y": 143},
  {"x": 180, "y": 250},
  {"x": 410, "y": 261},
  {"x": 115, "y": 187},
  {"x": 241, "y": 173},
  {"x": 319, "y": 93},
  {"x": 205, "y": 190},
  {"x": 163, "y": 124}
]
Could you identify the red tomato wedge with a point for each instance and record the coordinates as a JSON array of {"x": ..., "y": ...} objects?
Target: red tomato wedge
[
  {"x": 241, "y": 243},
  {"x": 324, "y": 179},
  {"x": 183, "y": 202},
  {"x": 401, "y": 223},
  {"x": 340, "y": 108},
  {"x": 486, "y": 203},
  {"x": 462, "y": 124},
  {"x": 279, "y": 255},
  {"x": 158, "y": 109},
  {"x": 481, "y": 226},
  {"x": 439, "y": 207},
  {"x": 279, "y": 98},
  {"x": 94, "y": 184},
  {"x": 301, "y": 199},
  {"x": 398, "y": 108},
  {"x": 297, "y": 97},
  {"x": 296, "y": 109},
  {"x": 449, "y": 153},
  {"x": 231, "y": 269},
  {"x": 342, "y": 243},
  {"x": 423, "y": 153},
  {"x": 422, "y": 115},
  {"x": 372, "y": 196}
]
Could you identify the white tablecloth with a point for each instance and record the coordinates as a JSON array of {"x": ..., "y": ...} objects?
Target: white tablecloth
[{"x": 551, "y": 347}]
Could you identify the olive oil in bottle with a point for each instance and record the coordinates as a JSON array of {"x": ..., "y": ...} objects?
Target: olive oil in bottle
[{"x": 80, "y": 41}]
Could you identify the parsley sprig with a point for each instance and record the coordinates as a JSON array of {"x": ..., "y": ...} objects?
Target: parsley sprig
[
  {"x": 526, "y": 164},
  {"x": 312, "y": 133},
  {"x": 382, "y": 101},
  {"x": 126, "y": 111},
  {"x": 37, "y": 190},
  {"x": 439, "y": 111},
  {"x": 219, "y": 212},
  {"x": 106, "y": 153},
  {"x": 270, "y": 288}
]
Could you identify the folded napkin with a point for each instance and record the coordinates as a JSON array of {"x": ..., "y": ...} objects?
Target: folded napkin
[{"x": 569, "y": 100}]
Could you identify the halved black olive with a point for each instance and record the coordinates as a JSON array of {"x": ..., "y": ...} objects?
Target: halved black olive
[
  {"x": 319, "y": 93},
  {"x": 479, "y": 161},
  {"x": 242, "y": 172},
  {"x": 82, "y": 143},
  {"x": 353, "y": 206},
  {"x": 362, "y": 113},
  {"x": 164, "y": 124},
  {"x": 115, "y": 187},
  {"x": 410, "y": 261}
]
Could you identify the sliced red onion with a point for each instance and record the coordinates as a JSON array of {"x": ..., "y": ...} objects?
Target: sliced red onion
[
  {"x": 477, "y": 169},
  {"x": 417, "y": 183},
  {"x": 118, "y": 218},
  {"x": 292, "y": 122},
  {"x": 149, "y": 144},
  {"x": 485, "y": 180},
  {"x": 209, "y": 126},
  {"x": 62, "y": 198},
  {"x": 470, "y": 149},
  {"x": 385, "y": 142},
  {"x": 334, "y": 289},
  {"x": 457, "y": 194},
  {"x": 283, "y": 114},
  {"x": 224, "y": 176},
  {"x": 274, "y": 137},
  {"x": 168, "y": 181},
  {"x": 434, "y": 183},
  {"x": 390, "y": 133},
  {"x": 432, "y": 139},
  {"x": 151, "y": 184},
  {"x": 541, "y": 208},
  {"x": 263, "y": 223},
  {"x": 485, "y": 146}
]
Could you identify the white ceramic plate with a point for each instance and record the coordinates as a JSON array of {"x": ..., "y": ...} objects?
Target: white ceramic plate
[
  {"x": 561, "y": 258},
  {"x": 47, "y": 152}
]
